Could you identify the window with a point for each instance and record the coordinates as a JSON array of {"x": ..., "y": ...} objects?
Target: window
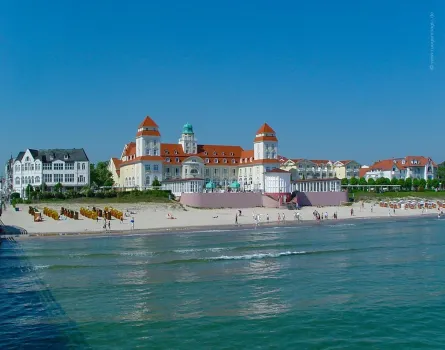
[
  {"x": 155, "y": 152},
  {"x": 205, "y": 153},
  {"x": 177, "y": 160},
  {"x": 47, "y": 166},
  {"x": 58, "y": 166},
  {"x": 207, "y": 160},
  {"x": 166, "y": 152},
  {"x": 233, "y": 172},
  {"x": 147, "y": 167},
  {"x": 155, "y": 167},
  {"x": 215, "y": 171},
  {"x": 167, "y": 170},
  {"x": 47, "y": 177},
  {"x": 224, "y": 153},
  {"x": 216, "y": 160},
  {"x": 177, "y": 171},
  {"x": 37, "y": 179},
  {"x": 167, "y": 160},
  {"x": 214, "y": 153},
  {"x": 225, "y": 160},
  {"x": 81, "y": 179},
  {"x": 207, "y": 172},
  {"x": 17, "y": 180},
  {"x": 83, "y": 166},
  {"x": 23, "y": 167},
  {"x": 69, "y": 166},
  {"x": 231, "y": 153},
  {"x": 233, "y": 161},
  {"x": 176, "y": 152},
  {"x": 58, "y": 178},
  {"x": 147, "y": 180},
  {"x": 69, "y": 177}
]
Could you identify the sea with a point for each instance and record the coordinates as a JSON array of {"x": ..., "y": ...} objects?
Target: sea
[{"x": 360, "y": 284}]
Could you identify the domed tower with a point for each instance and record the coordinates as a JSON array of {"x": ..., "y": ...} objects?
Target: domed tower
[
  {"x": 148, "y": 138},
  {"x": 188, "y": 141}
]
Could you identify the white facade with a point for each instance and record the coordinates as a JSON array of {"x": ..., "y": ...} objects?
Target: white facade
[
  {"x": 277, "y": 181},
  {"x": 148, "y": 159},
  {"x": 322, "y": 185},
  {"x": 69, "y": 167},
  {"x": 403, "y": 168}
]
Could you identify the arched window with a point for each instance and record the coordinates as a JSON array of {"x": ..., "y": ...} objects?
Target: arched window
[
  {"x": 17, "y": 180},
  {"x": 32, "y": 179},
  {"x": 147, "y": 180},
  {"x": 37, "y": 179}
]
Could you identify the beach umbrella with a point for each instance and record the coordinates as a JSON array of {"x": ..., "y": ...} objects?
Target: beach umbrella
[
  {"x": 235, "y": 185},
  {"x": 210, "y": 185}
]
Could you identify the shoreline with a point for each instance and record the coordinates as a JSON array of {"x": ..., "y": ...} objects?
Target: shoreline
[{"x": 219, "y": 228}]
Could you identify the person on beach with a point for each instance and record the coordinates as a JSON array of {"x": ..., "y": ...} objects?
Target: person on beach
[
  {"x": 279, "y": 218},
  {"x": 352, "y": 211},
  {"x": 109, "y": 225},
  {"x": 132, "y": 223},
  {"x": 284, "y": 218},
  {"x": 267, "y": 218},
  {"x": 236, "y": 219}
]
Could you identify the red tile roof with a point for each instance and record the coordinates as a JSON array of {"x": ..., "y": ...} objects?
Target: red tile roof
[
  {"x": 148, "y": 123},
  {"x": 130, "y": 149},
  {"x": 277, "y": 170},
  {"x": 362, "y": 172},
  {"x": 148, "y": 133},
  {"x": 318, "y": 161},
  {"x": 116, "y": 162},
  {"x": 401, "y": 163},
  {"x": 265, "y": 129}
]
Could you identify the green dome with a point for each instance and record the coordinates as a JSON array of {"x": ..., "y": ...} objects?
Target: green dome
[{"x": 187, "y": 129}]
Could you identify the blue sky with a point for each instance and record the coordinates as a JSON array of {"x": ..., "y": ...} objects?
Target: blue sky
[{"x": 335, "y": 79}]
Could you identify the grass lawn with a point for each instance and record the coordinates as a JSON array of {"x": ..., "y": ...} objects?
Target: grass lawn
[{"x": 393, "y": 195}]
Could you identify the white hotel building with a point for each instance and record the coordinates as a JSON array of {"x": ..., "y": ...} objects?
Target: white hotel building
[{"x": 69, "y": 167}]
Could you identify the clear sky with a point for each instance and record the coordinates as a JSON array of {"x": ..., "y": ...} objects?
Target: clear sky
[{"x": 335, "y": 79}]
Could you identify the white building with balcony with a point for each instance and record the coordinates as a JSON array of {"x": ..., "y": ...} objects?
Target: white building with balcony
[
  {"x": 69, "y": 167},
  {"x": 415, "y": 167},
  {"x": 302, "y": 169}
]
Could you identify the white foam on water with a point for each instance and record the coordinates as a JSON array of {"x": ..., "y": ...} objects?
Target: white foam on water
[
  {"x": 40, "y": 267},
  {"x": 255, "y": 256},
  {"x": 136, "y": 253},
  {"x": 197, "y": 250}
]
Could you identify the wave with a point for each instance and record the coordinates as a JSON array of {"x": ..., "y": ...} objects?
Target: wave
[
  {"x": 256, "y": 256},
  {"x": 139, "y": 253},
  {"x": 197, "y": 250},
  {"x": 40, "y": 267}
]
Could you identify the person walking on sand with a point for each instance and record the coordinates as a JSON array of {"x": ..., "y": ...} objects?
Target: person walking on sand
[
  {"x": 279, "y": 218},
  {"x": 284, "y": 218},
  {"x": 352, "y": 211},
  {"x": 132, "y": 223},
  {"x": 267, "y": 218},
  {"x": 109, "y": 225},
  {"x": 236, "y": 219}
]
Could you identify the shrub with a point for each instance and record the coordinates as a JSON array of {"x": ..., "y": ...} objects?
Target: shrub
[{"x": 15, "y": 195}]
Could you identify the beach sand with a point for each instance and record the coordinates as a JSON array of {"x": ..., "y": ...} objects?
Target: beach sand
[{"x": 154, "y": 217}]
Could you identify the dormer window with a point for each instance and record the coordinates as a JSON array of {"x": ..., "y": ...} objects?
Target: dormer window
[
  {"x": 245, "y": 160},
  {"x": 216, "y": 160},
  {"x": 241, "y": 160},
  {"x": 231, "y": 153},
  {"x": 251, "y": 159},
  {"x": 176, "y": 152},
  {"x": 214, "y": 153},
  {"x": 233, "y": 161},
  {"x": 205, "y": 153},
  {"x": 225, "y": 160},
  {"x": 403, "y": 161},
  {"x": 166, "y": 152},
  {"x": 177, "y": 160},
  {"x": 207, "y": 160},
  {"x": 224, "y": 153},
  {"x": 66, "y": 156},
  {"x": 167, "y": 159}
]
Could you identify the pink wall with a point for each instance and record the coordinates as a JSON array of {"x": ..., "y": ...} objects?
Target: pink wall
[
  {"x": 227, "y": 200},
  {"x": 321, "y": 198},
  {"x": 252, "y": 200}
]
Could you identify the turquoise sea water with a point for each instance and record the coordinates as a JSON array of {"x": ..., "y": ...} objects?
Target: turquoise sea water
[{"x": 357, "y": 285}]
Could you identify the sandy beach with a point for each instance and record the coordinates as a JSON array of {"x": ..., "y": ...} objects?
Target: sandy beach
[{"x": 155, "y": 217}]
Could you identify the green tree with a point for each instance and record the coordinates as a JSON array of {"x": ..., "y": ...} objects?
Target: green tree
[
  {"x": 100, "y": 175},
  {"x": 408, "y": 184},
  {"x": 29, "y": 191},
  {"x": 416, "y": 184},
  {"x": 363, "y": 182},
  {"x": 429, "y": 184},
  {"x": 156, "y": 183},
  {"x": 401, "y": 183},
  {"x": 441, "y": 174},
  {"x": 58, "y": 187},
  {"x": 435, "y": 183},
  {"x": 353, "y": 181},
  {"x": 422, "y": 183},
  {"x": 371, "y": 181},
  {"x": 344, "y": 181}
]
